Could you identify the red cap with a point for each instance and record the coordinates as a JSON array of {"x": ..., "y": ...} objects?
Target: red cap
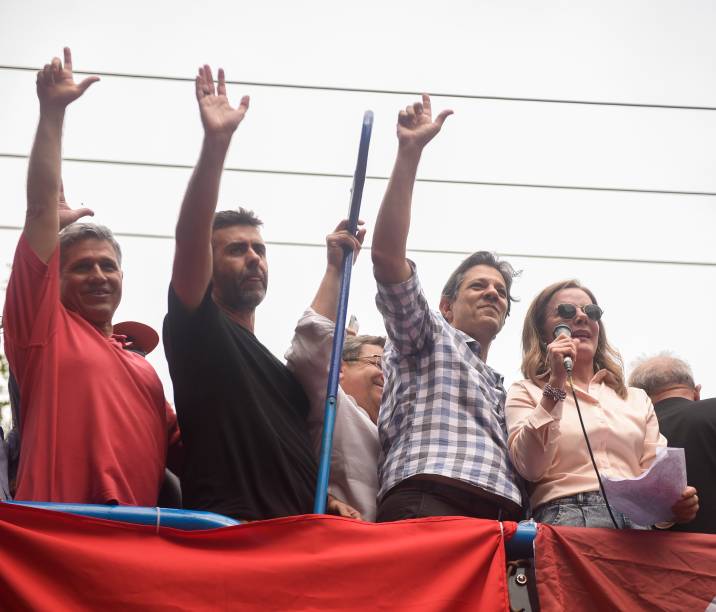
[{"x": 141, "y": 336}]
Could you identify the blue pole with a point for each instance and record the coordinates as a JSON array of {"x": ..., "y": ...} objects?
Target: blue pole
[
  {"x": 521, "y": 546},
  {"x": 329, "y": 419},
  {"x": 162, "y": 517}
]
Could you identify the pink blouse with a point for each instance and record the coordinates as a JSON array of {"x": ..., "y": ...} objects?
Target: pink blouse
[{"x": 549, "y": 449}]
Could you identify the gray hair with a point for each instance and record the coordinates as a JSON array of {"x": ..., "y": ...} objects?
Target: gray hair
[
  {"x": 653, "y": 374},
  {"x": 229, "y": 218},
  {"x": 79, "y": 232},
  {"x": 353, "y": 344},
  {"x": 480, "y": 258}
]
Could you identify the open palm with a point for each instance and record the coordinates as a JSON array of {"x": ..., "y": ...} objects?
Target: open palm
[{"x": 217, "y": 115}]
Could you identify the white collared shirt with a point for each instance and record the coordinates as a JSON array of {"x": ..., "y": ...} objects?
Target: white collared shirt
[{"x": 354, "y": 458}]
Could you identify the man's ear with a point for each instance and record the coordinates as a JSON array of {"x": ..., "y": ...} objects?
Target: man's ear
[
  {"x": 341, "y": 372},
  {"x": 697, "y": 393},
  {"x": 446, "y": 308}
]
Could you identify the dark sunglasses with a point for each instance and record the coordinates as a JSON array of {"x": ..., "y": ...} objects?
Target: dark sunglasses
[{"x": 569, "y": 311}]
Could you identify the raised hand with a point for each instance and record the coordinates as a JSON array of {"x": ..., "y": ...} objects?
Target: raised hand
[
  {"x": 341, "y": 239},
  {"x": 68, "y": 215},
  {"x": 56, "y": 87},
  {"x": 217, "y": 115},
  {"x": 416, "y": 127},
  {"x": 326, "y": 301}
]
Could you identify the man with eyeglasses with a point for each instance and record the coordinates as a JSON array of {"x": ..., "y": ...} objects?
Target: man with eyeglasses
[
  {"x": 354, "y": 461},
  {"x": 442, "y": 423}
]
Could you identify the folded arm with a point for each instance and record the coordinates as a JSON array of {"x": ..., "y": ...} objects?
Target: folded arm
[{"x": 533, "y": 432}]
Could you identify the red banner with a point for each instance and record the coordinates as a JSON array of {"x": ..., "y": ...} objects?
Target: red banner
[
  {"x": 605, "y": 569},
  {"x": 55, "y": 561}
]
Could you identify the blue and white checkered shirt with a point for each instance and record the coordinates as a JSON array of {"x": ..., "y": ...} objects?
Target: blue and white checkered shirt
[{"x": 443, "y": 407}]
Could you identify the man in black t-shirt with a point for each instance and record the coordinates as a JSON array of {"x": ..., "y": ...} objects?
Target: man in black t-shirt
[{"x": 241, "y": 412}]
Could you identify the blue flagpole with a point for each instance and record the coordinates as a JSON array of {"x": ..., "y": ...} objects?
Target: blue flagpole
[{"x": 329, "y": 419}]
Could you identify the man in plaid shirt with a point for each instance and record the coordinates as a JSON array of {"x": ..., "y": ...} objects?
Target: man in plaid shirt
[{"x": 441, "y": 423}]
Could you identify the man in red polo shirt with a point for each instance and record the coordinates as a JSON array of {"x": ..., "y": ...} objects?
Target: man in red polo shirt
[{"x": 94, "y": 424}]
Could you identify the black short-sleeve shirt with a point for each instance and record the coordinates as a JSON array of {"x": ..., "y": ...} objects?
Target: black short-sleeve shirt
[{"x": 242, "y": 416}]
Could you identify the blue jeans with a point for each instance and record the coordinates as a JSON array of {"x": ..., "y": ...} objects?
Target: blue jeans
[{"x": 582, "y": 510}]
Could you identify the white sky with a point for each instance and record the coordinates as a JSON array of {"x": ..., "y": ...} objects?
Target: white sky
[{"x": 641, "y": 51}]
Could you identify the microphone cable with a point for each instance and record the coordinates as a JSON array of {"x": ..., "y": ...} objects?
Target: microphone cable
[{"x": 591, "y": 454}]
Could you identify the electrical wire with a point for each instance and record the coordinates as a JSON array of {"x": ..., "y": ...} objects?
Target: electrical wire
[
  {"x": 322, "y": 245},
  {"x": 385, "y": 178},
  {"x": 374, "y": 177},
  {"x": 591, "y": 454},
  {"x": 401, "y": 92}
]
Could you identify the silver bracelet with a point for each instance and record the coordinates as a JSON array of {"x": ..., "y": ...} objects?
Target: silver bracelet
[{"x": 556, "y": 395}]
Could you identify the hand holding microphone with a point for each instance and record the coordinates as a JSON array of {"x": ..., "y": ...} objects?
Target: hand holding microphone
[
  {"x": 566, "y": 330},
  {"x": 562, "y": 353}
]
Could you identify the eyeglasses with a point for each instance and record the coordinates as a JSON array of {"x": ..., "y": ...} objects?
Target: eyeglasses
[
  {"x": 374, "y": 360},
  {"x": 569, "y": 311}
]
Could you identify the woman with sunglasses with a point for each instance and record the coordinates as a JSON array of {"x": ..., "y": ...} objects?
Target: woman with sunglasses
[{"x": 546, "y": 442}]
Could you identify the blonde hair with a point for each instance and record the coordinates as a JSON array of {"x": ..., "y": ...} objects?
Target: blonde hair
[{"x": 535, "y": 365}]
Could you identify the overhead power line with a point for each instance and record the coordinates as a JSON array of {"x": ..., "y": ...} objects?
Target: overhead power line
[
  {"x": 363, "y": 90},
  {"x": 375, "y": 177},
  {"x": 321, "y": 245}
]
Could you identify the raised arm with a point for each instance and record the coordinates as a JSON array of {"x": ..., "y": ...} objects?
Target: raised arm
[
  {"x": 416, "y": 128},
  {"x": 326, "y": 301},
  {"x": 309, "y": 354},
  {"x": 192, "y": 259},
  {"x": 56, "y": 89}
]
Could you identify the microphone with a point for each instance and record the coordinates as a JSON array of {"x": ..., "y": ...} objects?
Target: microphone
[{"x": 563, "y": 328}]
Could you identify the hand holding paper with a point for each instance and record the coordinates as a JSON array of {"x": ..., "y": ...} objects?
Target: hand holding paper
[{"x": 660, "y": 494}]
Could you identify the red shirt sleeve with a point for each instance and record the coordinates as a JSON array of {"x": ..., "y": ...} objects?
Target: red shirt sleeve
[{"x": 31, "y": 304}]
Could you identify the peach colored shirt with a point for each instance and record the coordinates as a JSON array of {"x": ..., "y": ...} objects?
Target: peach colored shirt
[{"x": 549, "y": 450}]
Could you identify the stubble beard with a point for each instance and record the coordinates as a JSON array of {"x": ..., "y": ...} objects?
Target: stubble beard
[{"x": 234, "y": 297}]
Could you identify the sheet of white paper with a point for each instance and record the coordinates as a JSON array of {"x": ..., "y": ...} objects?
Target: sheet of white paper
[{"x": 648, "y": 498}]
